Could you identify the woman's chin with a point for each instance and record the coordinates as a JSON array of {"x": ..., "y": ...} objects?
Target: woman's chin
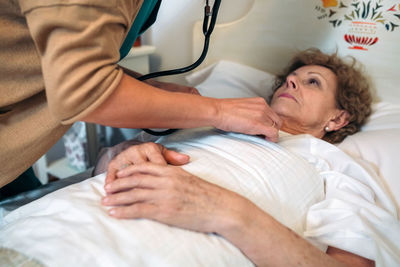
[{"x": 283, "y": 110}]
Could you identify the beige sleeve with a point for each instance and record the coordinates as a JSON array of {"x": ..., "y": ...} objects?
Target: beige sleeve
[{"x": 79, "y": 41}]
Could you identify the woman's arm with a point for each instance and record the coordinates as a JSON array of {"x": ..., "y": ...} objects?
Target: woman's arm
[
  {"x": 267, "y": 242},
  {"x": 170, "y": 195},
  {"x": 349, "y": 258}
]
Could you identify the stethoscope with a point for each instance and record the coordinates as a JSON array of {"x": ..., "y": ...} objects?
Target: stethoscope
[{"x": 208, "y": 27}]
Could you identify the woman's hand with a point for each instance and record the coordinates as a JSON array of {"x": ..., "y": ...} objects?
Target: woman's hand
[
  {"x": 138, "y": 154},
  {"x": 170, "y": 195}
]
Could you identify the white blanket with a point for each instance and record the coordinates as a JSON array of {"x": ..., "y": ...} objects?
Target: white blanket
[{"x": 70, "y": 228}]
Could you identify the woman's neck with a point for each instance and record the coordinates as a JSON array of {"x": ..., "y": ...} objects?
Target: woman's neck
[{"x": 295, "y": 128}]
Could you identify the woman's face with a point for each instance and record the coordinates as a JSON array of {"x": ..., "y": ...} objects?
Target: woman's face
[{"x": 306, "y": 101}]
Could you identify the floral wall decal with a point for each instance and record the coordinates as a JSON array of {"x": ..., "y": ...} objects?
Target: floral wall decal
[{"x": 362, "y": 18}]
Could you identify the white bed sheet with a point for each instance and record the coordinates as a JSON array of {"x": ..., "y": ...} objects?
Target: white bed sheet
[{"x": 70, "y": 228}]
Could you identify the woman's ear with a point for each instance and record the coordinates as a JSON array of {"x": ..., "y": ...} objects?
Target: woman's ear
[{"x": 340, "y": 120}]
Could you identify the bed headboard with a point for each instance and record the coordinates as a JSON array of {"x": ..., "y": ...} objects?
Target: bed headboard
[{"x": 273, "y": 30}]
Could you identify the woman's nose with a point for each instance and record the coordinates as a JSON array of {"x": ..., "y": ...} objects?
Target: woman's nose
[{"x": 291, "y": 82}]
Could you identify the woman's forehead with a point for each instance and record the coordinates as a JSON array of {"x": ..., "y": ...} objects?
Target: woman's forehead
[{"x": 326, "y": 72}]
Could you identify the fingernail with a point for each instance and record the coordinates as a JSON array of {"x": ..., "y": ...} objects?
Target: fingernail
[
  {"x": 106, "y": 200},
  {"x": 107, "y": 187},
  {"x": 112, "y": 212}
]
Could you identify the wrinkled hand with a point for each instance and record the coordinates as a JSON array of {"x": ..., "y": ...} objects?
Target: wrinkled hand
[
  {"x": 138, "y": 154},
  {"x": 248, "y": 115},
  {"x": 173, "y": 87},
  {"x": 170, "y": 195}
]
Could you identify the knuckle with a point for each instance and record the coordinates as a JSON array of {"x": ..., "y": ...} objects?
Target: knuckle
[
  {"x": 112, "y": 164},
  {"x": 119, "y": 184},
  {"x": 152, "y": 147},
  {"x": 150, "y": 144},
  {"x": 129, "y": 150}
]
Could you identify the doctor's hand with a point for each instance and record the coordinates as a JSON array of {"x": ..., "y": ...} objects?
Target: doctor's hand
[
  {"x": 249, "y": 116},
  {"x": 173, "y": 196},
  {"x": 137, "y": 154}
]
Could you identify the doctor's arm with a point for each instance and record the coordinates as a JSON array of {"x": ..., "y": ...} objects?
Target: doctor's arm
[{"x": 135, "y": 104}]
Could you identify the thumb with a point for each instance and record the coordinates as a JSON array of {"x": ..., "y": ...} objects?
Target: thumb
[{"x": 175, "y": 158}]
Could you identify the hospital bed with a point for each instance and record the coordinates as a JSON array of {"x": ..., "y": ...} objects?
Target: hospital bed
[{"x": 243, "y": 57}]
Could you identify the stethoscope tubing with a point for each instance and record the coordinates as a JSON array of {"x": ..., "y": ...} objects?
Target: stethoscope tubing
[{"x": 207, "y": 30}]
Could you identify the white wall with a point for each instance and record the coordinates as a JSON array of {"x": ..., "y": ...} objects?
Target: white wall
[{"x": 171, "y": 34}]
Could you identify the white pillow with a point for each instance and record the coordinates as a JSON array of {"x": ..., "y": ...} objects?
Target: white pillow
[
  {"x": 384, "y": 116},
  {"x": 226, "y": 79},
  {"x": 379, "y": 144}
]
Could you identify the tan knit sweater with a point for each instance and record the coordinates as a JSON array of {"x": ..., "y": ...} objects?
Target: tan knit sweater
[{"x": 58, "y": 62}]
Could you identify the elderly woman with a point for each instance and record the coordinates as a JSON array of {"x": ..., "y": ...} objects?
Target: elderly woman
[{"x": 317, "y": 94}]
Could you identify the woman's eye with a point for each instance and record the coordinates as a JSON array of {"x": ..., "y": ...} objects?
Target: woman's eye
[{"x": 313, "y": 81}]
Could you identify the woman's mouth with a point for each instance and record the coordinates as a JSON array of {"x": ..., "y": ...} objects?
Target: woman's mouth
[{"x": 287, "y": 96}]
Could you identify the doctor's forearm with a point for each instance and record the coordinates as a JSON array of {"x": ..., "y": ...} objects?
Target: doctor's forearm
[
  {"x": 135, "y": 104},
  {"x": 135, "y": 74}
]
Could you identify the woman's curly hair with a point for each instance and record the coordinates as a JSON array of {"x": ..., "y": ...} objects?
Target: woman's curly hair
[{"x": 352, "y": 94}]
